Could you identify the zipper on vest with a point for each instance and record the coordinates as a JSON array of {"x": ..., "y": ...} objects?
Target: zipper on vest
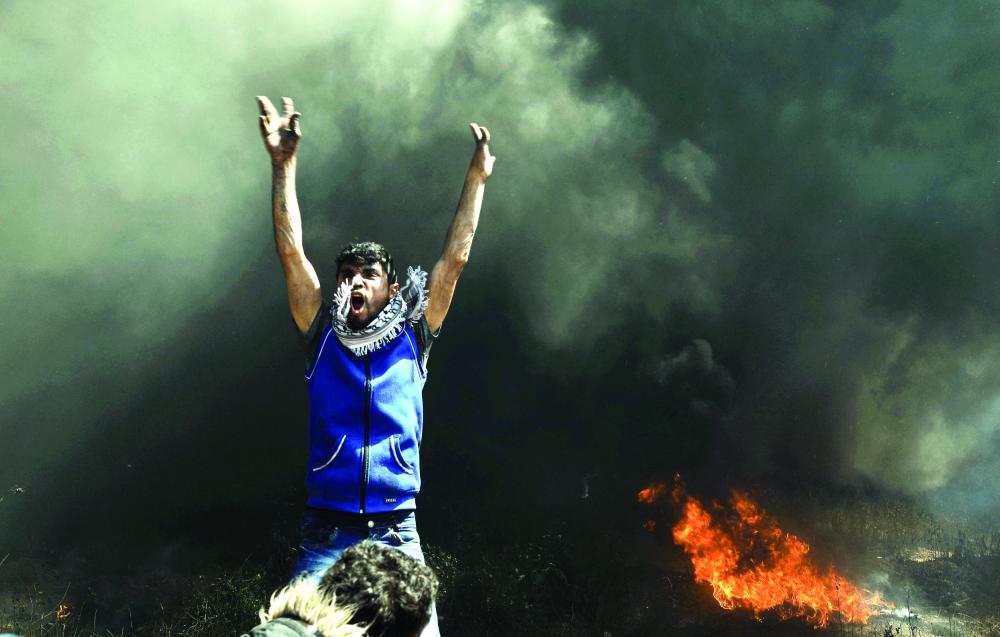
[{"x": 368, "y": 430}]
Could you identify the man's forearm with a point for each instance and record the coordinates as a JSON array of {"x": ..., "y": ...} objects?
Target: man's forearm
[
  {"x": 285, "y": 209},
  {"x": 281, "y": 134},
  {"x": 458, "y": 241}
]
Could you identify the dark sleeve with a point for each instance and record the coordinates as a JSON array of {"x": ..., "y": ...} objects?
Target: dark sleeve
[
  {"x": 425, "y": 338},
  {"x": 310, "y": 340},
  {"x": 281, "y": 627}
]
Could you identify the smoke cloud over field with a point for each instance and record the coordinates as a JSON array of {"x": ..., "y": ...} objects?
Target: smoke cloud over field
[
  {"x": 849, "y": 153},
  {"x": 759, "y": 240}
]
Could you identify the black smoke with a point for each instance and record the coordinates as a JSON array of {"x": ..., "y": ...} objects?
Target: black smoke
[{"x": 746, "y": 243}]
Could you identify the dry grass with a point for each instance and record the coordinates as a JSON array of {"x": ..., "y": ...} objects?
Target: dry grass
[{"x": 579, "y": 579}]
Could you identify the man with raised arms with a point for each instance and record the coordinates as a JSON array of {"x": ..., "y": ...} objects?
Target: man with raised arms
[{"x": 367, "y": 352}]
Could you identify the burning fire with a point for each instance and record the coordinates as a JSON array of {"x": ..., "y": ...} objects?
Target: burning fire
[
  {"x": 653, "y": 492},
  {"x": 751, "y": 563}
]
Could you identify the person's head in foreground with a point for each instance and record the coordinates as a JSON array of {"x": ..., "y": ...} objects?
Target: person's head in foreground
[
  {"x": 368, "y": 270},
  {"x": 372, "y": 590},
  {"x": 391, "y": 592}
]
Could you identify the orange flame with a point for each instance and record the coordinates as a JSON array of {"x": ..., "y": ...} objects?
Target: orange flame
[
  {"x": 751, "y": 563},
  {"x": 652, "y": 493}
]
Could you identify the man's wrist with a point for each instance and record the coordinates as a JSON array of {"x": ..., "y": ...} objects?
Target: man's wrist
[
  {"x": 476, "y": 176},
  {"x": 283, "y": 164}
]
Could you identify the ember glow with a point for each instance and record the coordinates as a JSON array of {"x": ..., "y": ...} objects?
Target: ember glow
[
  {"x": 653, "y": 492},
  {"x": 751, "y": 563}
]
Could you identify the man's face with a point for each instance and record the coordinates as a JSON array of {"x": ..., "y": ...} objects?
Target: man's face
[{"x": 370, "y": 291}]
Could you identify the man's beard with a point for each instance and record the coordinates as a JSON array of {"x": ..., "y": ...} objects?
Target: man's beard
[{"x": 356, "y": 323}]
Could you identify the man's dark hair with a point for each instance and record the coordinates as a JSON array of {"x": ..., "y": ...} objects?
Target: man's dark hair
[
  {"x": 391, "y": 591},
  {"x": 368, "y": 252}
]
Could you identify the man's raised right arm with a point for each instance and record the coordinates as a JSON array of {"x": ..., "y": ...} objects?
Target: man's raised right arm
[{"x": 281, "y": 135}]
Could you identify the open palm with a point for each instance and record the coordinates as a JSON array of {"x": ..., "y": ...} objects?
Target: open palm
[
  {"x": 281, "y": 133},
  {"x": 482, "y": 160}
]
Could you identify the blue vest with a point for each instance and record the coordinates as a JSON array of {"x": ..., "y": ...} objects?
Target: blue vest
[{"x": 366, "y": 416}]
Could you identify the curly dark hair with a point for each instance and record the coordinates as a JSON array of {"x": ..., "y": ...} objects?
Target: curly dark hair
[
  {"x": 368, "y": 252},
  {"x": 391, "y": 591}
]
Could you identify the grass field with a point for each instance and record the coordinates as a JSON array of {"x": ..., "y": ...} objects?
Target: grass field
[{"x": 585, "y": 575}]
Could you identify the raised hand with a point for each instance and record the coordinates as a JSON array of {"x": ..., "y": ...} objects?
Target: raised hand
[
  {"x": 281, "y": 133},
  {"x": 482, "y": 160}
]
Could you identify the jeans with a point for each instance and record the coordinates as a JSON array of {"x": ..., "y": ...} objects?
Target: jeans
[{"x": 325, "y": 535}]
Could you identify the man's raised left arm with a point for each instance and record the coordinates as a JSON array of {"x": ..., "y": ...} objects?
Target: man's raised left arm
[{"x": 458, "y": 242}]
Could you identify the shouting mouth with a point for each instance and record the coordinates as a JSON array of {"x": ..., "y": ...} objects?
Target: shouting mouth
[{"x": 357, "y": 304}]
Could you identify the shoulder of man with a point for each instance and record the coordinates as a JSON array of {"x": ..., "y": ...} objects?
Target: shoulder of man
[
  {"x": 311, "y": 339},
  {"x": 425, "y": 338}
]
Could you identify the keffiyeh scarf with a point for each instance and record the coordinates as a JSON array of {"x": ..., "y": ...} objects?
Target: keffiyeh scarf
[{"x": 406, "y": 307}]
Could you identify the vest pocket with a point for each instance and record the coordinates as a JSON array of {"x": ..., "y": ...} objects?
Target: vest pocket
[
  {"x": 397, "y": 454},
  {"x": 337, "y": 451}
]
